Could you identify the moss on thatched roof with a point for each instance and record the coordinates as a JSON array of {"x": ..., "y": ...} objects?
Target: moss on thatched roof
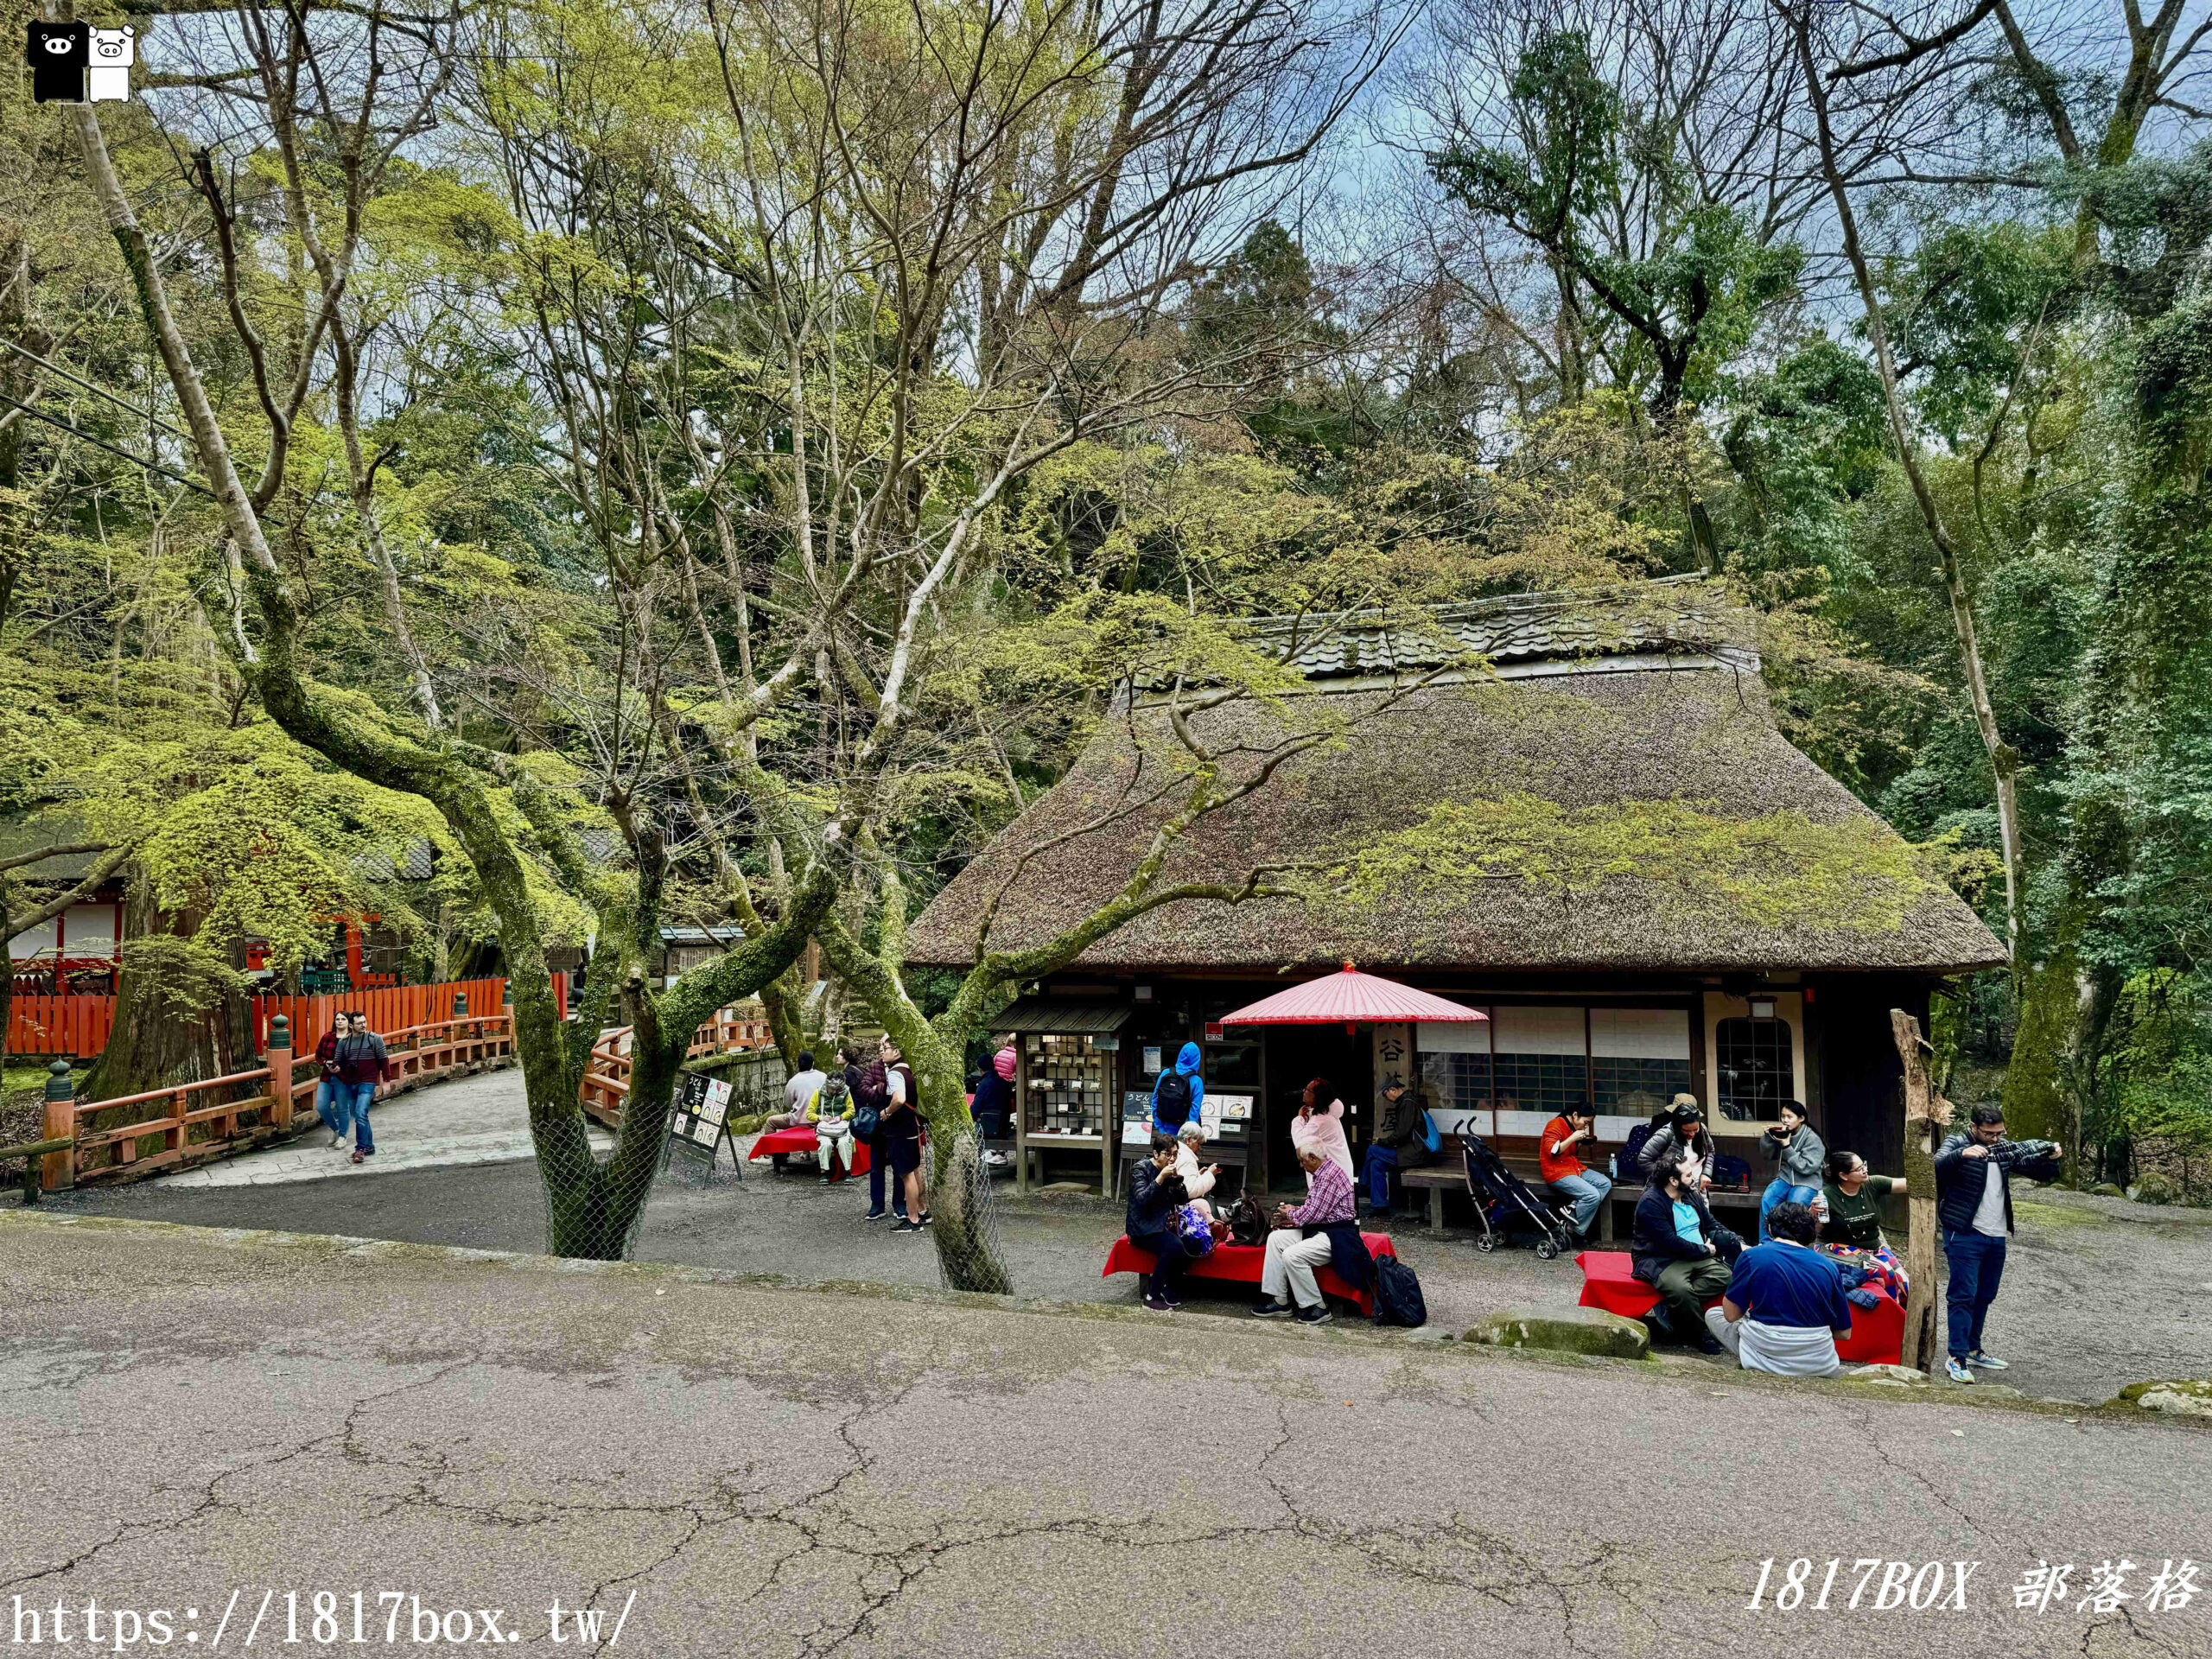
[{"x": 1625, "y": 815}]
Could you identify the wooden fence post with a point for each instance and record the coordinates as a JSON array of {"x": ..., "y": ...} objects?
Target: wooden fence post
[
  {"x": 1926, "y": 1114},
  {"x": 59, "y": 1168},
  {"x": 280, "y": 1071}
]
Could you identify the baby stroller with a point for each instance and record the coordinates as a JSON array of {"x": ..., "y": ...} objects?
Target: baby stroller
[{"x": 1504, "y": 1202}]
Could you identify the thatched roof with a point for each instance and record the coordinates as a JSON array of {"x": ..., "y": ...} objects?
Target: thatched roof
[{"x": 1652, "y": 719}]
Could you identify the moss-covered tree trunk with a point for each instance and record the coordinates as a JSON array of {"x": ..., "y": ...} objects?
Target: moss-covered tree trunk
[
  {"x": 591, "y": 1210},
  {"x": 967, "y": 1253},
  {"x": 166, "y": 1032},
  {"x": 1926, "y": 1114},
  {"x": 2036, "y": 1103}
]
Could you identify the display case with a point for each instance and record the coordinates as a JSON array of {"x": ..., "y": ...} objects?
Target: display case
[
  {"x": 1068, "y": 1089},
  {"x": 1069, "y": 1082}
]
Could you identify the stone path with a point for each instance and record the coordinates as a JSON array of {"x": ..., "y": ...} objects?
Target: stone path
[{"x": 479, "y": 1120}]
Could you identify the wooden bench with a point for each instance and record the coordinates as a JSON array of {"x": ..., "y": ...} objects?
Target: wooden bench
[
  {"x": 1242, "y": 1264},
  {"x": 800, "y": 1141},
  {"x": 1609, "y": 1282},
  {"x": 1449, "y": 1175}
]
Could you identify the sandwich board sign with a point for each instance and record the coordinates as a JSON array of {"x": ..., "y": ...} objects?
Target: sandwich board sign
[{"x": 702, "y": 1123}]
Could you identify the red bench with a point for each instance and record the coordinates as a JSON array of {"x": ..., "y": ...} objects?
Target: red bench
[
  {"x": 1240, "y": 1264},
  {"x": 1609, "y": 1281},
  {"x": 800, "y": 1141}
]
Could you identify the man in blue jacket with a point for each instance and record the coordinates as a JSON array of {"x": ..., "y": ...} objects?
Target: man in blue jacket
[
  {"x": 1974, "y": 1205},
  {"x": 1177, "y": 1094}
]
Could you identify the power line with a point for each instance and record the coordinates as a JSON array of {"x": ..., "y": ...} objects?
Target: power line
[
  {"x": 151, "y": 466},
  {"x": 146, "y": 415}
]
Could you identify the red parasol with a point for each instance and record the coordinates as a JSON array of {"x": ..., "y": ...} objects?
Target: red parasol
[{"x": 1350, "y": 998}]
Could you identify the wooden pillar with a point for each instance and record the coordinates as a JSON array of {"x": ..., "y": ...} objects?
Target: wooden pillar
[
  {"x": 59, "y": 1169},
  {"x": 280, "y": 1071},
  {"x": 1926, "y": 1116},
  {"x": 1020, "y": 1115},
  {"x": 353, "y": 953}
]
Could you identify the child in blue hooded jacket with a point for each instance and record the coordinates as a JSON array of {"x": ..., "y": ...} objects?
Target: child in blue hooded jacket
[{"x": 1178, "y": 1095}]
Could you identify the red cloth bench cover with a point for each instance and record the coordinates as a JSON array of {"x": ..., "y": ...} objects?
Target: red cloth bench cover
[
  {"x": 1609, "y": 1281},
  {"x": 1240, "y": 1264},
  {"x": 799, "y": 1140}
]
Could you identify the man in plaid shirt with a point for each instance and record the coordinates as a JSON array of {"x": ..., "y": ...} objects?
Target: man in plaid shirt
[{"x": 1300, "y": 1243}]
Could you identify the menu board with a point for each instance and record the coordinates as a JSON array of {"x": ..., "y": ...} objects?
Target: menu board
[
  {"x": 1226, "y": 1117},
  {"x": 701, "y": 1119}
]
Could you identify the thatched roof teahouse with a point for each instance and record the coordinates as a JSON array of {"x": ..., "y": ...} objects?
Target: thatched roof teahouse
[{"x": 1669, "y": 895}]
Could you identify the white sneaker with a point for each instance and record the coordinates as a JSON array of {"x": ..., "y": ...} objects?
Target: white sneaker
[
  {"x": 1957, "y": 1372},
  {"x": 994, "y": 1158},
  {"x": 337, "y": 1141}
]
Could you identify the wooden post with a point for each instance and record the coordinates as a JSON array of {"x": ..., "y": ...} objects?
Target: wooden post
[
  {"x": 59, "y": 1168},
  {"x": 280, "y": 1071},
  {"x": 1926, "y": 1116}
]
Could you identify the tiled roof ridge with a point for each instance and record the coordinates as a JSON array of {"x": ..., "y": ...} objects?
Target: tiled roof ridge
[{"x": 1554, "y": 623}]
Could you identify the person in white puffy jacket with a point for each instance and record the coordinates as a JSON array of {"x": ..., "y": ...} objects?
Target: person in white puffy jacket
[
  {"x": 1319, "y": 1126},
  {"x": 1198, "y": 1181}
]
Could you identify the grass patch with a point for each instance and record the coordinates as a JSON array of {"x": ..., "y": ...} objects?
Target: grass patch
[{"x": 2053, "y": 1214}]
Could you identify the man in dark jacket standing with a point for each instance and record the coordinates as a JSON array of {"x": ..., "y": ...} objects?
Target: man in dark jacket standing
[
  {"x": 1682, "y": 1251},
  {"x": 1974, "y": 1205}
]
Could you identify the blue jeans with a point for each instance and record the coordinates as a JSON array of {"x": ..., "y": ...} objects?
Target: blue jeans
[
  {"x": 1588, "y": 1192},
  {"x": 334, "y": 1104},
  {"x": 1779, "y": 1192},
  {"x": 357, "y": 1097},
  {"x": 878, "y": 1155},
  {"x": 1381, "y": 1161},
  {"x": 1976, "y": 1263}
]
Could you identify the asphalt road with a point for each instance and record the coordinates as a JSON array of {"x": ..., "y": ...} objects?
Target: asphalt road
[
  {"x": 752, "y": 1470},
  {"x": 2097, "y": 1294}
]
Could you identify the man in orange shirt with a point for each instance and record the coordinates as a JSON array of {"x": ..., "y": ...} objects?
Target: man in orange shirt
[{"x": 1561, "y": 1168}]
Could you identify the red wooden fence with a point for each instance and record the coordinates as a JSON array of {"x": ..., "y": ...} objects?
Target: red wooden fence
[
  {"x": 392, "y": 1007},
  {"x": 79, "y": 1026},
  {"x": 166, "y": 1120},
  {"x": 59, "y": 1025}
]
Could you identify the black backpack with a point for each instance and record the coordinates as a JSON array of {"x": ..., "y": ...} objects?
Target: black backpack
[
  {"x": 1631, "y": 1149},
  {"x": 1397, "y": 1294},
  {"x": 1248, "y": 1223},
  {"x": 1171, "y": 1101}
]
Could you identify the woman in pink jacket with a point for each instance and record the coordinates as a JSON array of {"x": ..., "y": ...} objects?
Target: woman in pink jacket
[{"x": 1322, "y": 1127}]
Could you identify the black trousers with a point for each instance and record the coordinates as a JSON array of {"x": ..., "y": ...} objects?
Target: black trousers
[{"x": 1171, "y": 1260}]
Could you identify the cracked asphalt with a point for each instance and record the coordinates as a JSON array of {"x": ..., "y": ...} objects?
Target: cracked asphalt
[{"x": 870, "y": 1471}]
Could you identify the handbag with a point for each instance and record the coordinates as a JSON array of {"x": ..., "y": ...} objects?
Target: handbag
[
  {"x": 1195, "y": 1231},
  {"x": 1248, "y": 1223},
  {"x": 1429, "y": 1137},
  {"x": 865, "y": 1121}
]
